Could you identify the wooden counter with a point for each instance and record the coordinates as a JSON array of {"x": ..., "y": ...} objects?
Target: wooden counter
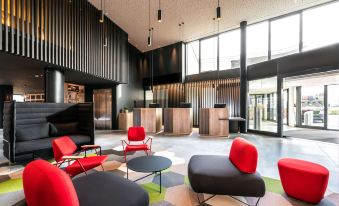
[
  {"x": 125, "y": 120},
  {"x": 149, "y": 118},
  {"x": 214, "y": 122},
  {"x": 178, "y": 121}
]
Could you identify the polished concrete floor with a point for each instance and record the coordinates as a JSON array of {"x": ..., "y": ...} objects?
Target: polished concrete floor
[
  {"x": 271, "y": 149},
  {"x": 330, "y": 136}
]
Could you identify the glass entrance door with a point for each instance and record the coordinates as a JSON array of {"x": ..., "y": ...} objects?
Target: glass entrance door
[
  {"x": 333, "y": 107},
  {"x": 312, "y": 106}
]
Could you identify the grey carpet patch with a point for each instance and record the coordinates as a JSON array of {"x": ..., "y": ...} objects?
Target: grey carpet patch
[
  {"x": 4, "y": 178},
  {"x": 169, "y": 179},
  {"x": 11, "y": 198}
]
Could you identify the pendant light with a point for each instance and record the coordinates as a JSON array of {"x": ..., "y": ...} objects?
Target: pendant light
[
  {"x": 159, "y": 12},
  {"x": 218, "y": 11},
  {"x": 102, "y": 13},
  {"x": 149, "y": 39}
]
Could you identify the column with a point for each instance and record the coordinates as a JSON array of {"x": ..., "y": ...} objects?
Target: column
[
  {"x": 54, "y": 85},
  {"x": 243, "y": 77}
]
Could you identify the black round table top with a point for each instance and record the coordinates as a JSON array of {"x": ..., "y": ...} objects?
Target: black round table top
[{"x": 149, "y": 164}]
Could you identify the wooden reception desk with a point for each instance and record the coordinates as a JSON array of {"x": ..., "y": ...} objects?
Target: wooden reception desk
[
  {"x": 149, "y": 118},
  {"x": 177, "y": 121},
  {"x": 214, "y": 122}
]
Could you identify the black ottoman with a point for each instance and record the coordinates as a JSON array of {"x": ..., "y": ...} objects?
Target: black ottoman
[
  {"x": 213, "y": 174},
  {"x": 105, "y": 188}
]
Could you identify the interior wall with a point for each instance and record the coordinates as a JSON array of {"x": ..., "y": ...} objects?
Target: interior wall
[
  {"x": 167, "y": 64},
  {"x": 131, "y": 94}
]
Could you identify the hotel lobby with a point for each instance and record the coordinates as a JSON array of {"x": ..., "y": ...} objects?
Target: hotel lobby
[{"x": 169, "y": 102}]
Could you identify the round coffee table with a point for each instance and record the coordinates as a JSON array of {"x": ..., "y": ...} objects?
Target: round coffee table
[{"x": 149, "y": 164}]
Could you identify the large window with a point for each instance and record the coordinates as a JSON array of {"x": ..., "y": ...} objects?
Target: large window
[
  {"x": 320, "y": 26},
  {"x": 257, "y": 43},
  {"x": 209, "y": 56},
  {"x": 285, "y": 36},
  {"x": 193, "y": 58},
  {"x": 229, "y": 50}
]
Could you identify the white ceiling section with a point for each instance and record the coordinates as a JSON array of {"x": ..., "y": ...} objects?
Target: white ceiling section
[{"x": 197, "y": 15}]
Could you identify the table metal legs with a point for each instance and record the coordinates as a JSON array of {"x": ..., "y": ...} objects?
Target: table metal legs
[{"x": 147, "y": 176}]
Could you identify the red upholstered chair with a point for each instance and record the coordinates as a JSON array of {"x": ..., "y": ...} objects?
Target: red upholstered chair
[
  {"x": 46, "y": 185},
  {"x": 136, "y": 137},
  {"x": 64, "y": 148},
  {"x": 303, "y": 180}
]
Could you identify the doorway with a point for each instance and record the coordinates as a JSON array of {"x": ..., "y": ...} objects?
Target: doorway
[
  {"x": 311, "y": 107},
  {"x": 102, "y": 109}
]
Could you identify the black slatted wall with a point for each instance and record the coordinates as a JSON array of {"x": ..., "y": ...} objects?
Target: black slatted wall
[{"x": 65, "y": 33}]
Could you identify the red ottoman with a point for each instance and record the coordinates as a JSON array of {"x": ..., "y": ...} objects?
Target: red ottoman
[{"x": 303, "y": 180}]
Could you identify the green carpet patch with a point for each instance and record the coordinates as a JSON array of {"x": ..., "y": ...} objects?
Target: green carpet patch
[
  {"x": 11, "y": 185},
  {"x": 273, "y": 185},
  {"x": 186, "y": 180},
  {"x": 153, "y": 192}
]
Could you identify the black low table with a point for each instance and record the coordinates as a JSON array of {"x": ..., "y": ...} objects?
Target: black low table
[{"x": 149, "y": 164}]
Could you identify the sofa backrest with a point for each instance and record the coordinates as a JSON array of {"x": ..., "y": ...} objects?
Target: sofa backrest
[
  {"x": 244, "y": 155},
  {"x": 32, "y": 119},
  {"x": 45, "y": 184}
]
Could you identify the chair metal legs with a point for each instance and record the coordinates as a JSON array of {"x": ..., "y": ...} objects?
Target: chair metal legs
[{"x": 204, "y": 201}]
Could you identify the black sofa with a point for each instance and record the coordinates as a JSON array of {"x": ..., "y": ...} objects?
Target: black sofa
[{"x": 29, "y": 128}]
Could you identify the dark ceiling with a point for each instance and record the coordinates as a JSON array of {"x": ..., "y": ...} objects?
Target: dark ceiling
[{"x": 27, "y": 75}]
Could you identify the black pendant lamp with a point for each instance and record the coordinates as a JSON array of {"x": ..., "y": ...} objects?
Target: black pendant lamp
[
  {"x": 218, "y": 11},
  {"x": 159, "y": 12},
  {"x": 149, "y": 39},
  {"x": 102, "y": 13}
]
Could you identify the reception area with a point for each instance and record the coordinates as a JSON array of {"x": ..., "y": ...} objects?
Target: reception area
[{"x": 169, "y": 103}]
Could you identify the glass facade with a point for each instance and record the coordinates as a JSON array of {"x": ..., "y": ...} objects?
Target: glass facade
[
  {"x": 320, "y": 26},
  {"x": 285, "y": 36},
  {"x": 192, "y": 58},
  {"x": 209, "y": 54},
  {"x": 274, "y": 38},
  {"x": 229, "y": 50},
  {"x": 257, "y": 43}
]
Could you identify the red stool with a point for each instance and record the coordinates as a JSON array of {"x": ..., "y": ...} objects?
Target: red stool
[{"x": 303, "y": 180}]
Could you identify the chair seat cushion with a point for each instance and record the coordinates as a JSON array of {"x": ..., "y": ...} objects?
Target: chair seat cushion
[
  {"x": 215, "y": 174},
  {"x": 107, "y": 189},
  {"x": 136, "y": 147},
  {"x": 303, "y": 180},
  {"x": 87, "y": 162}
]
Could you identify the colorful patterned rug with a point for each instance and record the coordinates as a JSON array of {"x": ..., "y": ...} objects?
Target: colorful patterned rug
[{"x": 176, "y": 189}]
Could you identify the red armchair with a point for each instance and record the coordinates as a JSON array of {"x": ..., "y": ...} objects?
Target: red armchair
[
  {"x": 136, "y": 137},
  {"x": 46, "y": 185},
  {"x": 64, "y": 149}
]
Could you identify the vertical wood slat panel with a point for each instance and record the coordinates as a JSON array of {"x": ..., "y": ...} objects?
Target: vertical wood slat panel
[
  {"x": 67, "y": 34},
  {"x": 1, "y": 24},
  {"x": 18, "y": 27},
  {"x": 12, "y": 25}
]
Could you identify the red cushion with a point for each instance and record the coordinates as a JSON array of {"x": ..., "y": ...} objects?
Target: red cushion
[
  {"x": 63, "y": 146},
  {"x": 136, "y": 147},
  {"x": 45, "y": 184},
  {"x": 244, "y": 155},
  {"x": 303, "y": 180},
  {"x": 136, "y": 134},
  {"x": 87, "y": 162}
]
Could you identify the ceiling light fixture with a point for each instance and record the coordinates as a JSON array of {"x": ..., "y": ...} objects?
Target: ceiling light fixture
[
  {"x": 159, "y": 12},
  {"x": 149, "y": 39},
  {"x": 218, "y": 11},
  {"x": 102, "y": 13}
]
